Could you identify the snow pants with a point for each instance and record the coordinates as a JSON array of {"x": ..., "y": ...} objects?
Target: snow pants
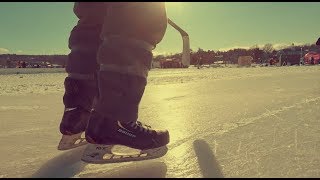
[{"x": 113, "y": 42}]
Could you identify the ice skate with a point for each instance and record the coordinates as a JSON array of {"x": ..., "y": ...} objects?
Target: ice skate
[
  {"x": 72, "y": 141},
  {"x": 73, "y": 135},
  {"x": 146, "y": 142},
  {"x": 101, "y": 154},
  {"x": 78, "y": 99}
]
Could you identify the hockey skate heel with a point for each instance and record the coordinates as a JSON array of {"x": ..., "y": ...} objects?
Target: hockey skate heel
[
  {"x": 100, "y": 154},
  {"x": 71, "y": 141}
]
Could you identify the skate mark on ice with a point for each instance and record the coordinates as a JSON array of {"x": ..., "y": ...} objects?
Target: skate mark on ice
[
  {"x": 22, "y": 132},
  {"x": 208, "y": 164},
  {"x": 239, "y": 147},
  {"x": 23, "y": 108},
  {"x": 174, "y": 98},
  {"x": 282, "y": 109},
  {"x": 246, "y": 121},
  {"x": 67, "y": 165},
  {"x": 225, "y": 128},
  {"x": 296, "y": 140}
]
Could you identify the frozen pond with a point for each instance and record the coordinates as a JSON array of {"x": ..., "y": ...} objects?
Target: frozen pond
[{"x": 223, "y": 122}]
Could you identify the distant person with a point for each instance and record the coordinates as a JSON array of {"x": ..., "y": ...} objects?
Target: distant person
[
  {"x": 23, "y": 64},
  {"x": 199, "y": 63},
  {"x": 311, "y": 60},
  {"x": 111, "y": 54}
]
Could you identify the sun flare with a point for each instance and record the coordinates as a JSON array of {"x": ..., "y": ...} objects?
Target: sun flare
[{"x": 173, "y": 4}]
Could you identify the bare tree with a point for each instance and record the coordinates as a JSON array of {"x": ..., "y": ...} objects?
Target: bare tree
[
  {"x": 254, "y": 47},
  {"x": 268, "y": 48}
]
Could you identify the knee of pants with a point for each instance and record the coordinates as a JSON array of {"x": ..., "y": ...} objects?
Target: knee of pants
[
  {"x": 84, "y": 42},
  {"x": 123, "y": 56},
  {"x": 145, "y": 21}
]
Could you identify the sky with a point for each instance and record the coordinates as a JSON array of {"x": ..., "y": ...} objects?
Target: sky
[{"x": 44, "y": 27}]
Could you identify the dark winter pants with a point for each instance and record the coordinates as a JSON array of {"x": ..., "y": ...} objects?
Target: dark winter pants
[{"x": 115, "y": 41}]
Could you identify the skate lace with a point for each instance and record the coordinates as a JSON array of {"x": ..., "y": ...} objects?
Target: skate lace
[{"x": 141, "y": 126}]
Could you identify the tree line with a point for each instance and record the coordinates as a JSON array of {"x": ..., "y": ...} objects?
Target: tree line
[{"x": 259, "y": 54}]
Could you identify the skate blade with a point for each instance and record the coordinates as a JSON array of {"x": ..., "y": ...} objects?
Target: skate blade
[
  {"x": 102, "y": 154},
  {"x": 70, "y": 142}
]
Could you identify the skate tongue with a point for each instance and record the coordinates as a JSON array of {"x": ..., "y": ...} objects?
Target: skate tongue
[
  {"x": 137, "y": 123},
  {"x": 140, "y": 124}
]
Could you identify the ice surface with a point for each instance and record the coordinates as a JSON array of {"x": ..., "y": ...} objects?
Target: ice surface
[{"x": 223, "y": 122}]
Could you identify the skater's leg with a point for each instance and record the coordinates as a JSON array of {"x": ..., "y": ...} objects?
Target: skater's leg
[
  {"x": 84, "y": 39},
  {"x": 80, "y": 85},
  {"x": 130, "y": 33}
]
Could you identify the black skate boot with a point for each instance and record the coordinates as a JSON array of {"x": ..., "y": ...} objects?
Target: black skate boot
[
  {"x": 78, "y": 99},
  {"x": 103, "y": 134}
]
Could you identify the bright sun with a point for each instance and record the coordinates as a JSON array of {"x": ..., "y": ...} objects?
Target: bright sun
[{"x": 173, "y": 3}]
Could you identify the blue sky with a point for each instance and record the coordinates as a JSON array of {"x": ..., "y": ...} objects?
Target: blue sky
[{"x": 44, "y": 27}]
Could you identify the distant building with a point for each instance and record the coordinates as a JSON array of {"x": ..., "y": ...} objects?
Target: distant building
[
  {"x": 155, "y": 64},
  {"x": 312, "y": 58},
  {"x": 289, "y": 56},
  {"x": 245, "y": 60},
  {"x": 171, "y": 63},
  {"x": 56, "y": 66}
]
